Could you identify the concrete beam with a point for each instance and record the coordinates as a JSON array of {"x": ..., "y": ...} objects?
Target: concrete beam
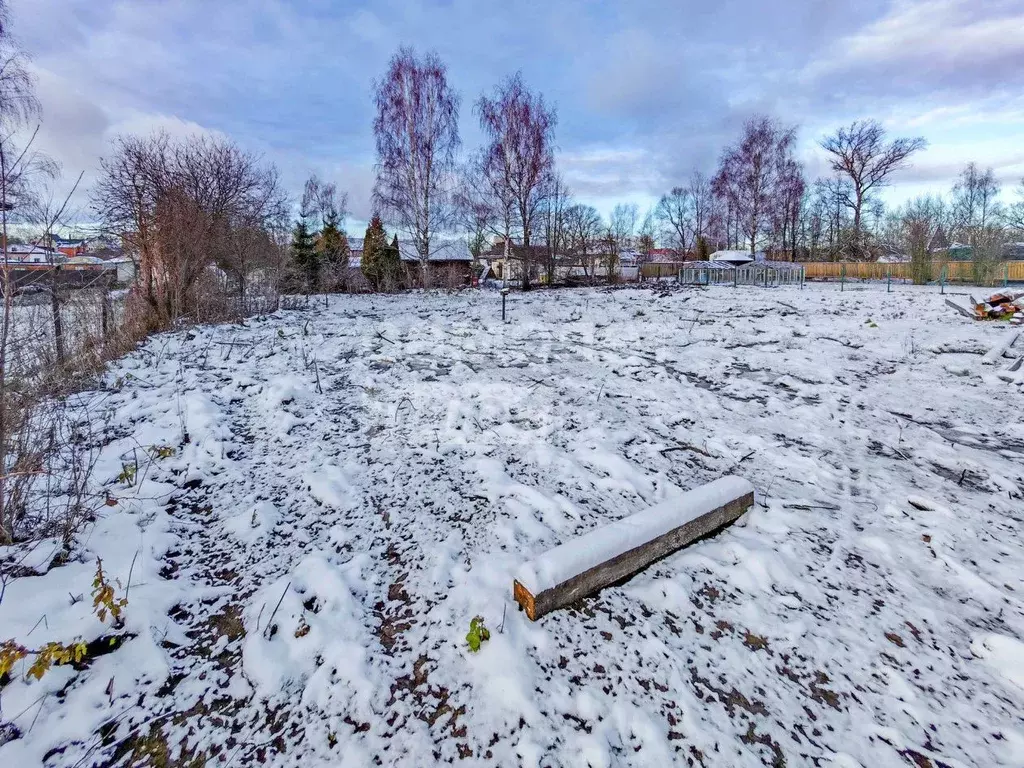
[{"x": 621, "y": 549}]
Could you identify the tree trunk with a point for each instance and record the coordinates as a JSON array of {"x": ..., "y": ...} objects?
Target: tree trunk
[{"x": 58, "y": 325}]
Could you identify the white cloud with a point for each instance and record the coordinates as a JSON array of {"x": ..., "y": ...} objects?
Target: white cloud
[{"x": 930, "y": 35}]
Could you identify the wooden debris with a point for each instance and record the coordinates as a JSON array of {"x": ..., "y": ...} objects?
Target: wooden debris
[
  {"x": 1005, "y": 305},
  {"x": 962, "y": 310},
  {"x": 623, "y": 548},
  {"x": 993, "y": 355}
]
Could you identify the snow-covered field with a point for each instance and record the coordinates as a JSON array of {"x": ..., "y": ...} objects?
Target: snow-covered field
[{"x": 351, "y": 486}]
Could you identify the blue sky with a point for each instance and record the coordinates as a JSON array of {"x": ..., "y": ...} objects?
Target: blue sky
[{"x": 646, "y": 90}]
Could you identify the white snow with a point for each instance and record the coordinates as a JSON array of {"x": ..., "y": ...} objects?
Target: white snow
[
  {"x": 574, "y": 557},
  {"x": 350, "y": 486}
]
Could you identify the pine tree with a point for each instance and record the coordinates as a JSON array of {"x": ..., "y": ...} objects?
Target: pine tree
[
  {"x": 304, "y": 255},
  {"x": 374, "y": 245},
  {"x": 332, "y": 246},
  {"x": 391, "y": 264},
  {"x": 702, "y": 249}
]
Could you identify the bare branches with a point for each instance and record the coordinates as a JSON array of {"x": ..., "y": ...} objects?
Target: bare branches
[
  {"x": 583, "y": 228},
  {"x": 323, "y": 200},
  {"x": 619, "y": 235},
  {"x": 861, "y": 153},
  {"x": 178, "y": 204},
  {"x": 556, "y": 199},
  {"x": 519, "y": 156},
  {"x": 752, "y": 175},
  {"x": 417, "y": 136},
  {"x": 976, "y": 213},
  {"x": 675, "y": 211}
]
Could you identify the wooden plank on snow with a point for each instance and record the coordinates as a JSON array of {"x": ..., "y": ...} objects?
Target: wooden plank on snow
[
  {"x": 621, "y": 549},
  {"x": 962, "y": 310}
]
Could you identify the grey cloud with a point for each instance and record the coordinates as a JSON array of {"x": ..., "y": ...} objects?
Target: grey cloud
[{"x": 646, "y": 91}]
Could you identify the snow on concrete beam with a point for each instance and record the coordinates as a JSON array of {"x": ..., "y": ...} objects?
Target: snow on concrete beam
[{"x": 616, "y": 551}]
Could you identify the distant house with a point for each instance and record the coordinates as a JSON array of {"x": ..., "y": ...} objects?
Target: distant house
[
  {"x": 1013, "y": 251},
  {"x": 69, "y": 248},
  {"x": 82, "y": 260},
  {"x": 355, "y": 251},
  {"x": 893, "y": 258},
  {"x": 21, "y": 253},
  {"x": 938, "y": 241},
  {"x": 450, "y": 262},
  {"x": 960, "y": 252}
]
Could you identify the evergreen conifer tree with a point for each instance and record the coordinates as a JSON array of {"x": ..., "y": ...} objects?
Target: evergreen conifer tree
[
  {"x": 374, "y": 245},
  {"x": 702, "y": 249},
  {"x": 391, "y": 264},
  {"x": 305, "y": 256},
  {"x": 332, "y": 248}
]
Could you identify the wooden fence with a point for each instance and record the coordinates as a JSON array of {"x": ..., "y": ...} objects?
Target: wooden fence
[
  {"x": 950, "y": 271},
  {"x": 656, "y": 269}
]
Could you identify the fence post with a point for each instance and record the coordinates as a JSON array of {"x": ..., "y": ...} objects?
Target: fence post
[
  {"x": 58, "y": 326},
  {"x": 803, "y": 274},
  {"x": 105, "y": 310},
  {"x": 1006, "y": 274},
  {"x": 942, "y": 280},
  {"x": 842, "y": 277},
  {"x": 888, "y": 279},
  {"x": 734, "y": 271}
]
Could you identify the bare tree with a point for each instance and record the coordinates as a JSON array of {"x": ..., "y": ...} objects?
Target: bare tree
[
  {"x": 702, "y": 203},
  {"x": 975, "y": 206},
  {"x": 474, "y": 211},
  {"x": 909, "y": 229},
  {"x": 1014, "y": 213},
  {"x": 556, "y": 199},
  {"x": 485, "y": 204},
  {"x": 788, "y": 204},
  {"x": 861, "y": 153},
  {"x": 619, "y": 235},
  {"x": 324, "y": 200},
  {"x": 646, "y": 236},
  {"x": 751, "y": 174},
  {"x": 18, "y": 107},
  {"x": 690, "y": 212},
  {"x": 44, "y": 472},
  {"x": 417, "y": 136},
  {"x": 675, "y": 211},
  {"x": 583, "y": 227},
  {"x": 519, "y": 155},
  {"x": 174, "y": 203}
]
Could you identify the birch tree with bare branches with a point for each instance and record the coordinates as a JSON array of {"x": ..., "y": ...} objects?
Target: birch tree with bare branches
[
  {"x": 519, "y": 155},
  {"x": 751, "y": 173},
  {"x": 417, "y": 136}
]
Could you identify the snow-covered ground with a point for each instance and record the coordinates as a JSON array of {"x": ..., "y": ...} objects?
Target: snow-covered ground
[{"x": 350, "y": 486}]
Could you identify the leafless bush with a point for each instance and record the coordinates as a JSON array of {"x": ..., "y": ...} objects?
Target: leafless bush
[
  {"x": 182, "y": 205},
  {"x": 450, "y": 277},
  {"x": 49, "y": 463}
]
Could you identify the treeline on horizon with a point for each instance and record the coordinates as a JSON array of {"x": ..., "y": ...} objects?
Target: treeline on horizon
[{"x": 177, "y": 205}]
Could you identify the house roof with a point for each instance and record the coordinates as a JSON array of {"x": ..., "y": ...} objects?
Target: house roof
[
  {"x": 21, "y": 248},
  {"x": 441, "y": 250},
  {"x": 734, "y": 257},
  {"x": 939, "y": 241}
]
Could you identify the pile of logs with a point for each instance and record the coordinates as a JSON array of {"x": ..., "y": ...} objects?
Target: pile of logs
[{"x": 1005, "y": 305}]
